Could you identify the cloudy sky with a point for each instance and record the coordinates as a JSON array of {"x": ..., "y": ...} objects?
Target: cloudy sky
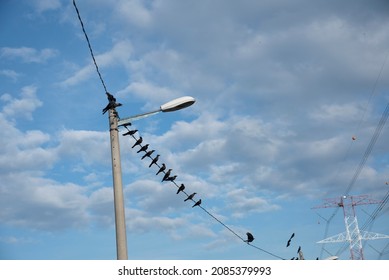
[{"x": 281, "y": 89}]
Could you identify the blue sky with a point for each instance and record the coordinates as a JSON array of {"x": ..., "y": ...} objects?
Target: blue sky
[{"x": 281, "y": 88}]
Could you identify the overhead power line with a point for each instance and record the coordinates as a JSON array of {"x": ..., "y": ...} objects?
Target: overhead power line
[
  {"x": 89, "y": 46},
  {"x": 139, "y": 141}
]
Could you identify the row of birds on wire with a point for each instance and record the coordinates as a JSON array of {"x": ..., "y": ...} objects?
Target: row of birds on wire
[
  {"x": 167, "y": 173},
  {"x": 169, "y": 177}
]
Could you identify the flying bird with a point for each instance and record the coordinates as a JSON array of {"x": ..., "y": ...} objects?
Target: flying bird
[
  {"x": 148, "y": 154},
  {"x": 130, "y": 132},
  {"x": 197, "y": 203},
  {"x": 250, "y": 237},
  {"x": 161, "y": 169},
  {"x": 290, "y": 239},
  {"x": 181, "y": 188},
  {"x": 167, "y": 175},
  {"x": 143, "y": 149},
  {"x": 299, "y": 249},
  {"x": 138, "y": 142},
  {"x": 190, "y": 196}
]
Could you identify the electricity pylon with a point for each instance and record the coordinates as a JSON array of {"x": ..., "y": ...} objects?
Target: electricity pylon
[{"x": 352, "y": 235}]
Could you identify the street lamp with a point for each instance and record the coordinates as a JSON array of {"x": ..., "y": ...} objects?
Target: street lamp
[
  {"x": 174, "y": 105},
  {"x": 118, "y": 199}
]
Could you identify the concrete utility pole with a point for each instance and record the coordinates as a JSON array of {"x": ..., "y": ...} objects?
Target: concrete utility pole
[
  {"x": 120, "y": 220},
  {"x": 114, "y": 123}
]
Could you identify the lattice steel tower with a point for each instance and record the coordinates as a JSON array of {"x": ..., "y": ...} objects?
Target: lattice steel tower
[{"x": 352, "y": 235}]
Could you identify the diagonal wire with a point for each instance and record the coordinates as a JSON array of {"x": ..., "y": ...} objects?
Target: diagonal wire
[
  {"x": 89, "y": 45},
  {"x": 216, "y": 219}
]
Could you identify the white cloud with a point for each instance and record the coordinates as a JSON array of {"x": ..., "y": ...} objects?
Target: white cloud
[
  {"x": 119, "y": 55},
  {"x": 29, "y": 55},
  {"x": 84, "y": 144},
  {"x": 24, "y": 106},
  {"x": 13, "y": 75},
  {"x": 46, "y": 5},
  {"x": 338, "y": 112},
  {"x": 244, "y": 203}
]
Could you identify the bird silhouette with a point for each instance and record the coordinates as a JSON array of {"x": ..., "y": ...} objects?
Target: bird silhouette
[
  {"x": 299, "y": 249},
  {"x": 250, "y": 237},
  {"x": 171, "y": 178},
  {"x": 181, "y": 188},
  {"x": 290, "y": 239},
  {"x": 197, "y": 203},
  {"x": 167, "y": 175},
  {"x": 143, "y": 149},
  {"x": 148, "y": 154},
  {"x": 154, "y": 161},
  {"x": 111, "y": 105},
  {"x": 161, "y": 169},
  {"x": 138, "y": 142},
  {"x": 130, "y": 132},
  {"x": 110, "y": 97},
  {"x": 190, "y": 196}
]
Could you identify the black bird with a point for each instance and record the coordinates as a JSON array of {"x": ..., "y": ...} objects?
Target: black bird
[
  {"x": 154, "y": 161},
  {"x": 190, "y": 196},
  {"x": 250, "y": 237},
  {"x": 130, "y": 132},
  {"x": 163, "y": 167},
  {"x": 181, "y": 188},
  {"x": 167, "y": 175},
  {"x": 299, "y": 249},
  {"x": 148, "y": 154},
  {"x": 197, "y": 203},
  {"x": 111, "y": 105},
  {"x": 143, "y": 149},
  {"x": 138, "y": 142},
  {"x": 172, "y": 178},
  {"x": 110, "y": 97},
  {"x": 290, "y": 239}
]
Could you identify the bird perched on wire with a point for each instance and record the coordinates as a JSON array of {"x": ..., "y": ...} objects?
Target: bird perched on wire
[
  {"x": 148, "y": 154},
  {"x": 167, "y": 175},
  {"x": 197, "y": 203},
  {"x": 130, "y": 132},
  {"x": 161, "y": 169},
  {"x": 112, "y": 104},
  {"x": 138, "y": 142},
  {"x": 110, "y": 97},
  {"x": 154, "y": 161},
  {"x": 181, "y": 188},
  {"x": 190, "y": 196},
  {"x": 250, "y": 237},
  {"x": 171, "y": 178},
  {"x": 143, "y": 149}
]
